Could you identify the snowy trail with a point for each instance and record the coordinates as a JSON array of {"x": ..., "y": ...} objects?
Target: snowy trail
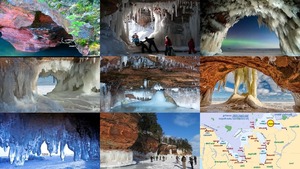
[{"x": 170, "y": 163}]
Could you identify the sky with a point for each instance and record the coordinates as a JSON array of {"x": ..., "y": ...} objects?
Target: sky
[
  {"x": 182, "y": 125},
  {"x": 246, "y": 33}
]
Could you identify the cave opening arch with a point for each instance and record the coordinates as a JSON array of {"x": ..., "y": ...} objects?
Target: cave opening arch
[
  {"x": 283, "y": 70},
  {"x": 247, "y": 34},
  {"x": 279, "y": 16}
]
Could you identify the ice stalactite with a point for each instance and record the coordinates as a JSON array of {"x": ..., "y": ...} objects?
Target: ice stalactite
[
  {"x": 105, "y": 98},
  {"x": 296, "y": 107},
  {"x": 25, "y": 134},
  {"x": 116, "y": 158},
  {"x": 81, "y": 75},
  {"x": 248, "y": 76},
  {"x": 206, "y": 98},
  {"x": 76, "y": 78}
]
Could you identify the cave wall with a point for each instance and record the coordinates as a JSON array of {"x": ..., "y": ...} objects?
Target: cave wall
[
  {"x": 25, "y": 133},
  {"x": 285, "y": 71},
  {"x": 25, "y": 21},
  {"x": 280, "y": 16},
  {"x": 19, "y": 80}
]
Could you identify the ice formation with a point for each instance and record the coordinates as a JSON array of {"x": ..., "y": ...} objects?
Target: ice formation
[
  {"x": 116, "y": 158},
  {"x": 162, "y": 22},
  {"x": 25, "y": 134},
  {"x": 144, "y": 96},
  {"x": 75, "y": 78},
  {"x": 280, "y": 16}
]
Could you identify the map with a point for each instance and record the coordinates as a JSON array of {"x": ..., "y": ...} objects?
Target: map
[{"x": 250, "y": 140}]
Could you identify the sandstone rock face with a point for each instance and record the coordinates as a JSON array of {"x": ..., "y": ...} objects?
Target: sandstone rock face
[
  {"x": 280, "y": 16},
  {"x": 29, "y": 31},
  {"x": 118, "y": 130},
  {"x": 283, "y": 70}
]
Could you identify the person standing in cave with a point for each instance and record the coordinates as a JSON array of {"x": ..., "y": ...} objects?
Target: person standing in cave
[
  {"x": 191, "y": 45},
  {"x": 168, "y": 45},
  {"x": 191, "y": 162},
  {"x": 151, "y": 43},
  {"x": 183, "y": 160}
]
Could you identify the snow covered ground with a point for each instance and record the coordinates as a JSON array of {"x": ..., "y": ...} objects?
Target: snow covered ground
[
  {"x": 69, "y": 101},
  {"x": 170, "y": 163}
]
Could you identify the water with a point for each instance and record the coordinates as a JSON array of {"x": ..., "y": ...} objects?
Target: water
[
  {"x": 6, "y": 49},
  {"x": 280, "y": 97}
]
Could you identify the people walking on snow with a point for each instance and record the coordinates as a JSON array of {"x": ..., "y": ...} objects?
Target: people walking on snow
[
  {"x": 183, "y": 160},
  {"x": 191, "y": 45},
  {"x": 156, "y": 158},
  {"x": 151, "y": 158},
  {"x": 191, "y": 162},
  {"x": 168, "y": 45},
  {"x": 177, "y": 159},
  {"x": 151, "y": 43},
  {"x": 195, "y": 160}
]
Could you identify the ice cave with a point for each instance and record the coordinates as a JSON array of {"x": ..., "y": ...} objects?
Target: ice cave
[
  {"x": 262, "y": 76},
  {"x": 49, "y": 140},
  {"x": 281, "y": 17},
  {"x": 178, "y": 19},
  {"x": 75, "y": 87},
  {"x": 136, "y": 83}
]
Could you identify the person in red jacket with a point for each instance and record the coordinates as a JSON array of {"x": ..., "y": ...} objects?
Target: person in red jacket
[
  {"x": 191, "y": 45},
  {"x": 168, "y": 45}
]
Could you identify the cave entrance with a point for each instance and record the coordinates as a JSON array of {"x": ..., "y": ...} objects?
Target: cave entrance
[
  {"x": 255, "y": 92},
  {"x": 46, "y": 84},
  {"x": 248, "y": 34}
]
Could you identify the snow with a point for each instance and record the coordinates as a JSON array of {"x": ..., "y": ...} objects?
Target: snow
[{"x": 170, "y": 163}]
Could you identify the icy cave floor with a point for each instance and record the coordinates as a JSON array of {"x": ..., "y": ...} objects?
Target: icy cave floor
[
  {"x": 71, "y": 102},
  {"x": 179, "y": 51},
  {"x": 217, "y": 106},
  {"x": 250, "y": 52},
  {"x": 53, "y": 162},
  {"x": 170, "y": 163}
]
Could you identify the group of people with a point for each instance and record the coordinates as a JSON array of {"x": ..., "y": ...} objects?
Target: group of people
[
  {"x": 192, "y": 161},
  {"x": 168, "y": 45},
  {"x": 136, "y": 40},
  {"x": 163, "y": 158}
]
